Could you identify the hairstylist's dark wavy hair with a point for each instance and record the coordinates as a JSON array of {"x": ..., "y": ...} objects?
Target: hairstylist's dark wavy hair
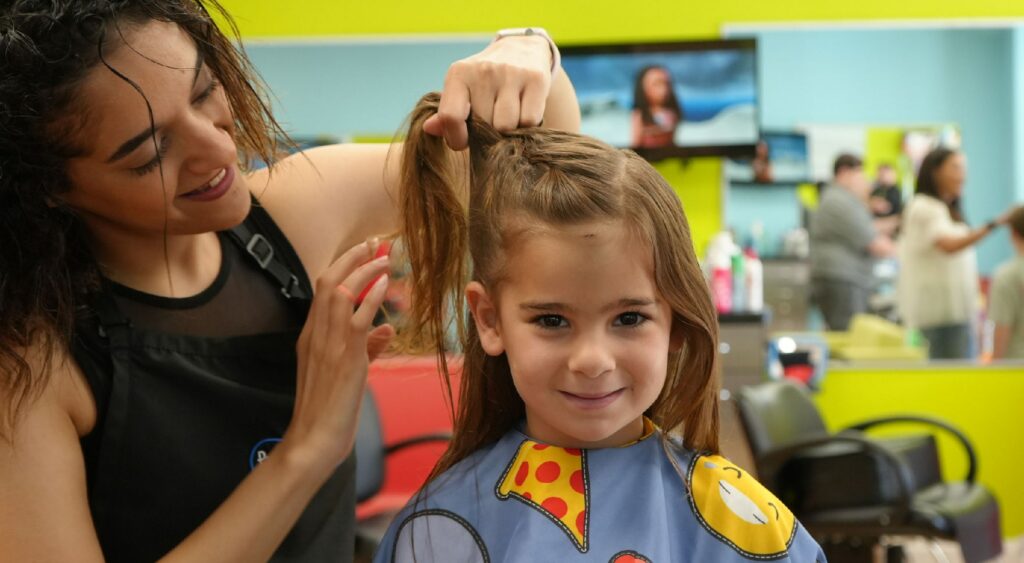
[
  {"x": 47, "y": 47},
  {"x": 927, "y": 185}
]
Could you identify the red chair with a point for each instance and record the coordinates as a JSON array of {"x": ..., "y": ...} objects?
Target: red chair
[{"x": 404, "y": 427}]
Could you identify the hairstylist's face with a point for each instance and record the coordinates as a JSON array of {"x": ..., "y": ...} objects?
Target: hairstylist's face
[
  {"x": 119, "y": 186},
  {"x": 950, "y": 176},
  {"x": 656, "y": 85},
  {"x": 585, "y": 331}
]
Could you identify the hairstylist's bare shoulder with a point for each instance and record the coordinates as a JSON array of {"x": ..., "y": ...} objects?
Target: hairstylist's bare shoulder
[
  {"x": 44, "y": 509},
  {"x": 329, "y": 198}
]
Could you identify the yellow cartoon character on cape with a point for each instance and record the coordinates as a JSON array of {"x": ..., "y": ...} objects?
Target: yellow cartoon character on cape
[{"x": 738, "y": 510}]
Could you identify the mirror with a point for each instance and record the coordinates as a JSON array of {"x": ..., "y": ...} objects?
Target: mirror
[{"x": 882, "y": 93}]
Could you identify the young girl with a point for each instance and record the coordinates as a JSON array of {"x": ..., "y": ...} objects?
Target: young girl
[
  {"x": 592, "y": 337},
  {"x": 656, "y": 110}
]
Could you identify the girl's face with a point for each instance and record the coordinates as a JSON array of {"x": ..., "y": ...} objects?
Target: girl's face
[
  {"x": 656, "y": 86},
  {"x": 117, "y": 186},
  {"x": 950, "y": 176},
  {"x": 585, "y": 330}
]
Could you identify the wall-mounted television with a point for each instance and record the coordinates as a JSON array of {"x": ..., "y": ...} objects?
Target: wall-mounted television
[
  {"x": 689, "y": 98},
  {"x": 780, "y": 157}
]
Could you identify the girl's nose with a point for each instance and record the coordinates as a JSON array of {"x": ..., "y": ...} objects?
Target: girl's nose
[{"x": 591, "y": 357}]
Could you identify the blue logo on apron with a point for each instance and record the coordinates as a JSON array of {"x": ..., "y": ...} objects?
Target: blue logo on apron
[{"x": 261, "y": 450}]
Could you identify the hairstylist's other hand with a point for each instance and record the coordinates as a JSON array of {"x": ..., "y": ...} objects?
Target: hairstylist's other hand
[
  {"x": 334, "y": 352},
  {"x": 506, "y": 85}
]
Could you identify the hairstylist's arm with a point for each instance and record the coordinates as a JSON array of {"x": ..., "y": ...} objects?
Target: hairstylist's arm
[
  {"x": 333, "y": 197},
  {"x": 44, "y": 506}
]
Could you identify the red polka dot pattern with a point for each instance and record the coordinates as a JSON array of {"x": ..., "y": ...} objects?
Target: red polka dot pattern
[
  {"x": 555, "y": 506},
  {"x": 548, "y": 472},
  {"x": 524, "y": 471},
  {"x": 553, "y": 481},
  {"x": 576, "y": 480}
]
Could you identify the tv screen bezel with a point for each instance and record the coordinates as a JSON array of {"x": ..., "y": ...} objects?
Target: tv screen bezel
[{"x": 661, "y": 153}]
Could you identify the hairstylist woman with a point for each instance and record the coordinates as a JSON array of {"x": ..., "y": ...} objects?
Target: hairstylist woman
[{"x": 181, "y": 357}]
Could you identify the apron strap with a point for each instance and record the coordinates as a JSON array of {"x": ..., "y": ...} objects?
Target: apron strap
[
  {"x": 269, "y": 259},
  {"x": 113, "y": 325},
  {"x": 116, "y": 328}
]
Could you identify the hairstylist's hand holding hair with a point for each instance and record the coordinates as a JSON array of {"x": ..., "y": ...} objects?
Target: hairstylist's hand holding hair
[
  {"x": 507, "y": 85},
  {"x": 334, "y": 353}
]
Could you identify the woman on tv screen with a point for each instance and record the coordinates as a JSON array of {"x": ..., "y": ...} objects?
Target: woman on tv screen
[{"x": 656, "y": 109}]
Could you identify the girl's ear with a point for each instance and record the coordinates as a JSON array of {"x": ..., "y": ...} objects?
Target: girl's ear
[{"x": 485, "y": 315}]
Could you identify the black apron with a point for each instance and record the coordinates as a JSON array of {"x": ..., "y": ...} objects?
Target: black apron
[{"x": 183, "y": 419}]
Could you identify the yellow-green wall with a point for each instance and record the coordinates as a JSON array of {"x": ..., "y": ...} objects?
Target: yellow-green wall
[
  {"x": 579, "y": 20},
  {"x": 984, "y": 402}
]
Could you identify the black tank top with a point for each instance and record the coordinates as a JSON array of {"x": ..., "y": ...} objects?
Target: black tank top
[{"x": 192, "y": 394}]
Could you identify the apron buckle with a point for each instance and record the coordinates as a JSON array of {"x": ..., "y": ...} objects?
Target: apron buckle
[
  {"x": 261, "y": 250},
  {"x": 293, "y": 283}
]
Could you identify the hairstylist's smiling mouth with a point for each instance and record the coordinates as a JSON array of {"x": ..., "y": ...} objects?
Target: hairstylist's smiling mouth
[{"x": 215, "y": 187}]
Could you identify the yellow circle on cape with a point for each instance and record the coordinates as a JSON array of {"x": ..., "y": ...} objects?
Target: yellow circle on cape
[{"x": 734, "y": 507}]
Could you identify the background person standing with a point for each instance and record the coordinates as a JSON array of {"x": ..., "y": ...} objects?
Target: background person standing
[{"x": 844, "y": 244}]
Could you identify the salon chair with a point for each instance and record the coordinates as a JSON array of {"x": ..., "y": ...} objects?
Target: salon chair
[{"x": 850, "y": 489}]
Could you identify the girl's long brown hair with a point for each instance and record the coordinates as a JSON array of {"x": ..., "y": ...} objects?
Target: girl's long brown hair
[{"x": 457, "y": 231}]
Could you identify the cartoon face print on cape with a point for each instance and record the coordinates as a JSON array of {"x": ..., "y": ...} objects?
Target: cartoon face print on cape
[{"x": 738, "y": 510}]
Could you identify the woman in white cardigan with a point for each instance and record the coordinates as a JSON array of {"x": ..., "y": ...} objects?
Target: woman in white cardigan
[{"x": 938, "y": 285}]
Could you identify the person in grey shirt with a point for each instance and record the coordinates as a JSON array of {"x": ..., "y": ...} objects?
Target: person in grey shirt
[{"x": 844, "y": 243}]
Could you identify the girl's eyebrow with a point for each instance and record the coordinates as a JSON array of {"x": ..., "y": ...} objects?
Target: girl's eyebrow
[
  {"x": 539, "y": 306},
  {"x": 556, "y": 306}
]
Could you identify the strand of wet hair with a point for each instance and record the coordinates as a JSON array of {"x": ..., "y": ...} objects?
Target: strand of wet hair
[{"x": 156, "y": 147}]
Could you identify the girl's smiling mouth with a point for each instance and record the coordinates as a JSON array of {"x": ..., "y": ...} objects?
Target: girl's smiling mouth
[{"x": 593, "y": 400}]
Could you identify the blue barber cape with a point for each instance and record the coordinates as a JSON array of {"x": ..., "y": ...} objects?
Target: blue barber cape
[{"x": 650, "y": 501}]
